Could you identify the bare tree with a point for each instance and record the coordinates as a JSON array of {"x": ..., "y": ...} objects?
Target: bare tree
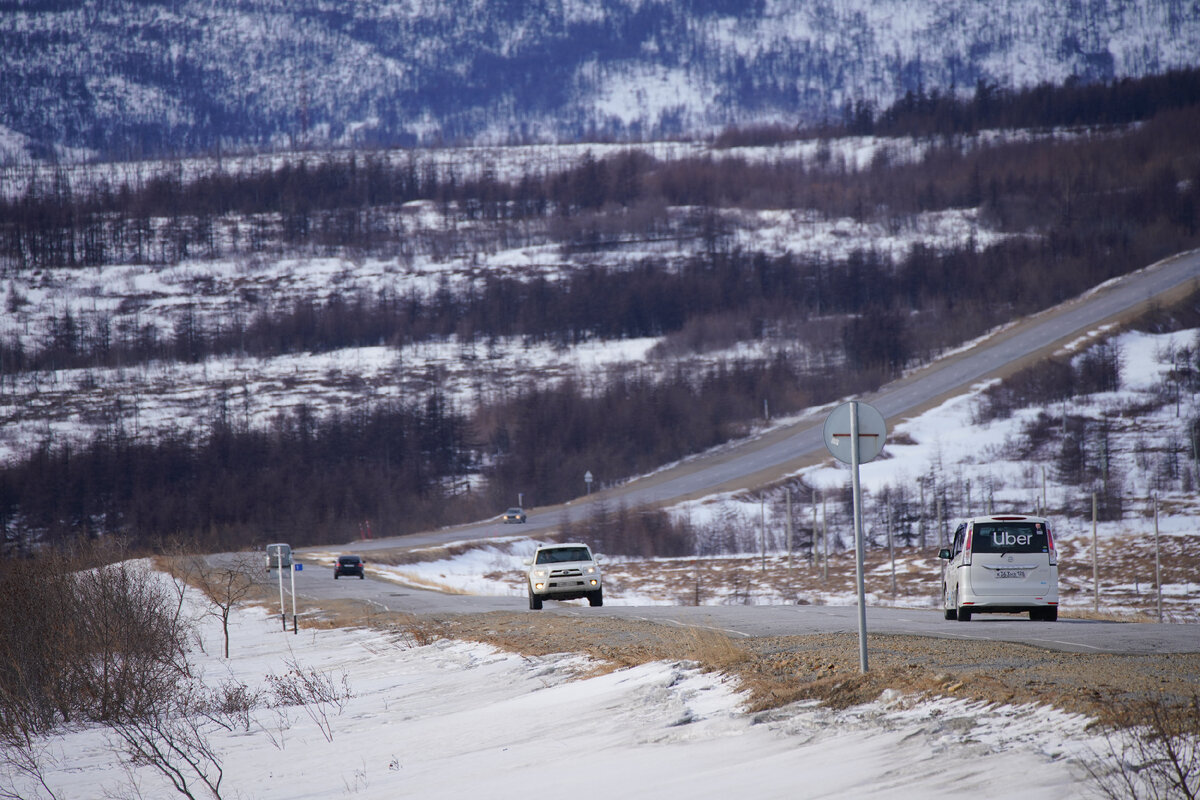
[{"x": 226, "y": 584}]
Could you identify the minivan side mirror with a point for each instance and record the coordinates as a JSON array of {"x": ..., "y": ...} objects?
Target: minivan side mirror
[{"x": 945, "y": 553}]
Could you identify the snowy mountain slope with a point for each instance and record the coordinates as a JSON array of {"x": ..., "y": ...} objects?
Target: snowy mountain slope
[{"x": 129, "y": 78}]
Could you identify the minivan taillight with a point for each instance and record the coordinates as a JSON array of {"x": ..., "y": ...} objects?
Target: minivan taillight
[
  {"x": 967, "y": 546},
  {"x": 1050, "y": 547}
]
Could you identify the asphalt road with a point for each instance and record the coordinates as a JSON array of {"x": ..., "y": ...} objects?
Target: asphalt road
[
  {"x": 781, "y": 451},
  {"x": 315, "y": 586}
]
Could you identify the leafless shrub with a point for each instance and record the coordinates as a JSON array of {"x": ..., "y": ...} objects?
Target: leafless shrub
[
  {"x": 1157, "y": 758},
  {"x": 230, "y": 704},
  {"x": 85, "y": 634},
  {"x": 418, "y": 632},
  {"x": 314, "y": 691},
  {"x": 172, "y": 739},
  {"x": 24, "y": 762},
  {"x": 109, "y": 639}
]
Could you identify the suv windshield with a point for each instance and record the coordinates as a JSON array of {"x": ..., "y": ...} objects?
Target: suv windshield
[
  {"x": 1010, "y": 537},
  {"x": 560, "y": 554}
]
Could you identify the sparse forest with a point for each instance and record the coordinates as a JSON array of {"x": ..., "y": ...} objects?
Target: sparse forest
[{"x": 1078, "y": 209}]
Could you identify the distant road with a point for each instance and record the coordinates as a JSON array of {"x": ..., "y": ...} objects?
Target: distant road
[
  {"x": 767, "y": 458},
  {"x": 315, "y": 586}
]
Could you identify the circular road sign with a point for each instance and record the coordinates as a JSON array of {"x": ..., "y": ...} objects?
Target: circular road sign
[{"x": 872, "y": 431}]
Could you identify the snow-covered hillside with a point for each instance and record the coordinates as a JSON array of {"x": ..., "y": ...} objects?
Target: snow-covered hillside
[{"x": 205, "y": 75}]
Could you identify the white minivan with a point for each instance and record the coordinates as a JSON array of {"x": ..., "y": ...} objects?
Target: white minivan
[
  {"x": 279, "y": 555},
  {"x": 1001, "y": 564}
]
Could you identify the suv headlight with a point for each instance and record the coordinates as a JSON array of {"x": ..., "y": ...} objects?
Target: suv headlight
[
  {"x": 591, "y": 570},
  {"x": 538, "y": 573}
]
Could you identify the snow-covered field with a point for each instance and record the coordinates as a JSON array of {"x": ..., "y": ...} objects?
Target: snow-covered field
[
  {"x": 453, "y": 719},
  {"x": 69, "y": 405}
]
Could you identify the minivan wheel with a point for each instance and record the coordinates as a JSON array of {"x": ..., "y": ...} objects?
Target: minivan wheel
[
  {"x": 964, "y": 615},
  {"x": 951, "y": 613},
  {"x": 1049, "y": 614}
]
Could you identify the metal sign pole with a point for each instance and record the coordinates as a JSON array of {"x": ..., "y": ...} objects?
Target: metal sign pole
[
  {"x": 867, "y": 432},
  {"x": 858, "y": 539}
]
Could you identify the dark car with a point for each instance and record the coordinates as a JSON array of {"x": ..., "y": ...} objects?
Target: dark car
[
  {"x": 349, "y": 565},
  {"x": 514, "y": 515}
]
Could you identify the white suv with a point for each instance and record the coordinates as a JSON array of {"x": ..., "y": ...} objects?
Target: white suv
[
  {"x": 1001, "y": 564},
  {"x": 564, "y": 572}
]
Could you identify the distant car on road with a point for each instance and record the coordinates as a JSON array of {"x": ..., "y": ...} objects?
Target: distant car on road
[
  {"x": 514, "y": 515},
  {"x": 564, "y": 572},
  {"x": 349, "y": 565},
  {"x": 279, "y": 556}
]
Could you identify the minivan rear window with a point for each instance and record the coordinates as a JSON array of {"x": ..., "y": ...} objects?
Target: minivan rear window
[{"x": 1009, "y": 537}]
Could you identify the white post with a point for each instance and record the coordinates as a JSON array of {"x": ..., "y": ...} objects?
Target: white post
[
  {"x": 1095, "y": 564},
  {"x": 1157, "y": 563},
  {"x": 940, "y": 537},
  {"x": 1043, "y": 512},
  {"x": 790, "y": 526},
  {"x": 813, "y": 553},
  {"x": 858, "y": 539},
  {"x": 824, "y": 541},
  {"x": 922, "y": 523},
  {"x": 891, "y": 549},
  {"x": 279, "y": 572},
  {"x": 762, "y": 529},
  {"x": 292, "y": 570}
]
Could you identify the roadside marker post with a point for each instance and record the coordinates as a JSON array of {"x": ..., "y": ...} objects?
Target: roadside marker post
[
  {"x": 854, "y": 434},
  {"x": 279, "y": 573},
  {"x": 295, "y": 626}
]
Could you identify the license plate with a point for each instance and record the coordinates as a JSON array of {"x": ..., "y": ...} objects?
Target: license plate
[{"x": 1010, "y": 573}]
